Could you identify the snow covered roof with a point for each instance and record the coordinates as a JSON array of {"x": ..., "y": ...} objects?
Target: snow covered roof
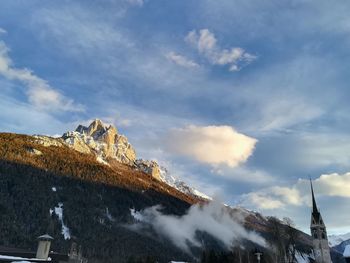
[
  {"x": 20, "y": 259},
  {"x": 346, "y": 253},
  {"x": 45, "y": 237}
]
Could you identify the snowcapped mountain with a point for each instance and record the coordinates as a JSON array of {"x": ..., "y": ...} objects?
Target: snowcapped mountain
[
  {"x": 340, "y": 242},
  {"x": 335, "y": 240},
  {"x": 174, "y": 182}
]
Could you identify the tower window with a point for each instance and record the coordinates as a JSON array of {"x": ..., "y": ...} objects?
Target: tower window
[
  {"x": 323, "y": 236},
  {"x": 315, "y": 234}
]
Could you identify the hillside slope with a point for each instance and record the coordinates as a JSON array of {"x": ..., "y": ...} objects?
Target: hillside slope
[
  {"x": 96, "y": 201},
  {"x": 73, "y": 196}
]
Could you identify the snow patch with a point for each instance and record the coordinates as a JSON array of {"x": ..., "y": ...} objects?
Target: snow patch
[
  {"x": 108, "y": 215},
  {"x": 346, "y": 253},
  {"x": 301, "y": 258},
  {"x": 59, "y": 212},
  {"x": 101, "y": 160},
  {"x": 34, "y": 151},
  {"x": 136, "y": 215},
  {"x": 179, "y": 185}
]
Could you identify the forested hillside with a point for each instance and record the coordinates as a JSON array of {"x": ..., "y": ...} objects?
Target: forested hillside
[
  {"x": 96, "y": 202},
  {"x": 39, "y": 183}
]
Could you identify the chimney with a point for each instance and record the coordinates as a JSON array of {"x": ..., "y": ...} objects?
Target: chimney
[{"x": 44, "y": 246}]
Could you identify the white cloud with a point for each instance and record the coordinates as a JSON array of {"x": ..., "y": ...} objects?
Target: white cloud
[
  {"x": 206, "y": 44},
  {"x": 21, "y": 117},
  {"x": 212, "y": 144},
  {"x": 2, "y": 31},
  {"x": 39, "y": 92},
  {"x": 336, "y": 185},
  {"x": 181, "y": 60},
  {"x": 263, "y": 201},
  {"x": 273, "y": 197}
]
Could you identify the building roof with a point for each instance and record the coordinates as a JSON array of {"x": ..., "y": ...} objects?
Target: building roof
[
  {"x": 315, "y": 212},
  {"x": 6, "y": 253},
  {"x": 45, "y": 237},
  {"x": 6, "y": 258},
  {"x": 314, "y": 205}
]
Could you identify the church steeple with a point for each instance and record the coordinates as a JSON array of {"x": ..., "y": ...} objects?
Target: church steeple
[
  {"x": 314, "y": 205},
  {"x": 319, "y": 233}
]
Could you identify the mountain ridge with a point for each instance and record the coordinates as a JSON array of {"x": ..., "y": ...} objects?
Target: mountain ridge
[
  {"x": 104, "y": 141},
  {"x": 104, "y": 191}
]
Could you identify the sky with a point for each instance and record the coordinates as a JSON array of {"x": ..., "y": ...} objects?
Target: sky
[{"x": 244, "y": 100}]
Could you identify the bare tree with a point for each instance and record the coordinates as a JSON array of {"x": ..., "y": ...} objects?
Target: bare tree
[
  {"x": 291, "y": 234},
  {"x": 278, "y": 237}
]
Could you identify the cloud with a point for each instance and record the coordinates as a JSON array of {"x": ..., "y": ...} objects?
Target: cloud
[
  {"x": 2, "y": 31},
  {"x": 273, "y": 197},
  {"x": 263, "y": 201},
  {"x": 136, "y": 2},
  {"x": 335, "y": 185},
  {"x": 39, "y": 92},
  {"x": 20, "y": 117},
  {"x": 212, "y": 218},
  {"x": 206, "y": 44},
  {"x": 244, "y": 174},
  {"x": 212, "y": 144},
  {"x": 284, "y": 113},
  {"x": 181, "y": 60}
]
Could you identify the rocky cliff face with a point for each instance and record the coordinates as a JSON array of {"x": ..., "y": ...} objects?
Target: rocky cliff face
[
  {"x": 149, "y": 167},
  {"x": 105, "y": 142}
]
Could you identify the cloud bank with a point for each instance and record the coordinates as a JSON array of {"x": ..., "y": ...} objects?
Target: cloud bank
[
  {"x": 212, "y": 144},
  {"x": 212, "y": 218},
  {"x": 206, "y": 44}
]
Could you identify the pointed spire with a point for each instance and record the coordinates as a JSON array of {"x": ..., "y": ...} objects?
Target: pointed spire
[{"x": 314, "y": 206}]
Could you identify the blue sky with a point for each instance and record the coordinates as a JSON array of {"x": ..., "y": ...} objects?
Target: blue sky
[{"x": 242, "y": 99}]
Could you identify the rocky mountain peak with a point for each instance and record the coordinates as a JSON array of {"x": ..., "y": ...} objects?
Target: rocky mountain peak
[
  {"x": 108, "y": 145},
  {"x": 103, "y": 140},
  {"x": 96, "y": 129}
]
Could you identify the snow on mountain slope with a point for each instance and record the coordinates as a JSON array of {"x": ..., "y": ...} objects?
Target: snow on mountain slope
[
  {"x": 303, "y": 258},
  {"x": 174, "y": 182},
  {"x": 335, "y": 240}
]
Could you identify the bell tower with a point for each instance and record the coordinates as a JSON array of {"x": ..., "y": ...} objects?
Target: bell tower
[{"x": 319, "y": 233}]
